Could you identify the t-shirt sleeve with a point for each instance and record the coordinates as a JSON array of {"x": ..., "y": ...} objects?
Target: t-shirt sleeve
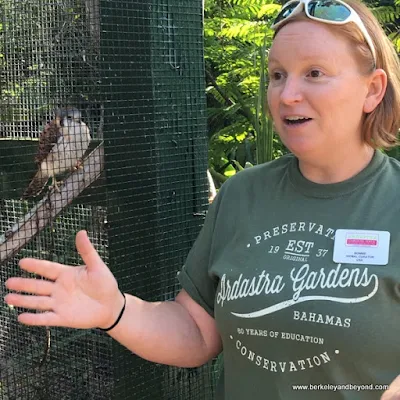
[{"x": 195, "y": 277}]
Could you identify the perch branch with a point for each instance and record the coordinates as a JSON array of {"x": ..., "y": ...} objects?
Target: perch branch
[{"x": 51, "y": 205}]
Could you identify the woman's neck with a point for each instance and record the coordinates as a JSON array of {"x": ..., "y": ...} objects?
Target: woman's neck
[{"x": 337, "y": 166}]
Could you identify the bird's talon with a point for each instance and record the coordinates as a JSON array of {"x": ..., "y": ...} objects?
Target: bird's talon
[
  {"x": 77, "y": 166},
  {"x": 56, "y": 186}
]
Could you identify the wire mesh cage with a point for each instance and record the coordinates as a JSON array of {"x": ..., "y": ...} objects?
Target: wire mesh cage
[{"x": 102, "y": 128}]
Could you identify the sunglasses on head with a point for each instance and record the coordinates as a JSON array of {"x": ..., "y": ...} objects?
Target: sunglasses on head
[{"x": 334, "y": 12}]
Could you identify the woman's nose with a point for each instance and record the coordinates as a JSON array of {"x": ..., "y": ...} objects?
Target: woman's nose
[{"x": 291, "y": 91}]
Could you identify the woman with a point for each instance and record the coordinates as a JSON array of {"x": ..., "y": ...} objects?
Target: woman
[{"x": 295, "y": 273}]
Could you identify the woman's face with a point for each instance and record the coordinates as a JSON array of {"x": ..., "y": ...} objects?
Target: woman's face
[{"x": 316, "y": 93}]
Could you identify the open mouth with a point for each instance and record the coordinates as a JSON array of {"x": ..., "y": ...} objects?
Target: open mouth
[{"x": 296, "y": 121}]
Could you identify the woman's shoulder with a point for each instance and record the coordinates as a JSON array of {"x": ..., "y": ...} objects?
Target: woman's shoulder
[
  {"x": 269, "y": 171},
  {"x": 254, "y": 180},
  {"x": 392, "y": 167},
  {"x": 394, "y": 162}
]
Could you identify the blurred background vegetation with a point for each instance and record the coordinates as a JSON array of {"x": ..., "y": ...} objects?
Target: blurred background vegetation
[
  {"x": 237, "y": 39},
  {"x": 43, "y": 58}
]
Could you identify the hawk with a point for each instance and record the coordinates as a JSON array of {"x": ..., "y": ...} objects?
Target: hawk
[{"x": 62, "y": 144}]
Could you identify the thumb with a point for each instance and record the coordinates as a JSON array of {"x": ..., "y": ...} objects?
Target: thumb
[{"x": 86, "y": 250}]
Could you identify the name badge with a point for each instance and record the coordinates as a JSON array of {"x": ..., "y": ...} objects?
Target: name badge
[{"x": 353, "y": 246}]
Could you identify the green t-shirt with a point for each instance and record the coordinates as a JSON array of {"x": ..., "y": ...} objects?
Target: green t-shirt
[{"x": 287, "y": 313}]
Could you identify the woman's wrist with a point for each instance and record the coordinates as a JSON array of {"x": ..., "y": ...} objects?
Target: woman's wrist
[{"x": 117, "y": 316}]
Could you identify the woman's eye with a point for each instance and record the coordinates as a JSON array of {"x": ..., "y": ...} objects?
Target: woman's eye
[
  {"x": 315, "y": 73},
  {"x": 276, "y": 76}
]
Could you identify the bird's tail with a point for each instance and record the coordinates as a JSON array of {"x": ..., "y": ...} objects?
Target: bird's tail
[{"x": 36, "y": 185}]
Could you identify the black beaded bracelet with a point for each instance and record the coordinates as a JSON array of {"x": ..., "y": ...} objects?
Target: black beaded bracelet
[{"x": 119, "y": 316}]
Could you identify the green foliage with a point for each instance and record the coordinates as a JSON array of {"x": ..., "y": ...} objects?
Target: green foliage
[
  {"x": 388, "y": 14},
  {"x": 237, "y": 36},
  {"x": 40, "y": 50},
  {"x": 264, "y": 126}
]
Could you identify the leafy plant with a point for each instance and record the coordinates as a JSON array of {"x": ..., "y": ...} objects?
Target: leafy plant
[{"x": 237, "y": 37}]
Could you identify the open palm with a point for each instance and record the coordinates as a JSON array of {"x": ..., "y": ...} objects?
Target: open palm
[{"x": 76, "y": 297}]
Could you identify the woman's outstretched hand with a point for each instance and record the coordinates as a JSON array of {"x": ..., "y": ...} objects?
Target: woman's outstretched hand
[{"x": 76, "y": 297}]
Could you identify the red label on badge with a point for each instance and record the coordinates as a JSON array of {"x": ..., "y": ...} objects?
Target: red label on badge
[{"x": 361, "y": 242}]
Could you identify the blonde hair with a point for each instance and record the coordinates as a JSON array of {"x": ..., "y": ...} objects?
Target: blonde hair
[{"x": 381, "y": 126}]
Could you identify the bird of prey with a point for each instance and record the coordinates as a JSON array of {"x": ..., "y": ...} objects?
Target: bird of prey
[{"x": 62, "y": 144}]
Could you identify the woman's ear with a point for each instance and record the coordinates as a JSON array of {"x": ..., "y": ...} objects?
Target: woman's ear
[{"x": 377, "y": 84}]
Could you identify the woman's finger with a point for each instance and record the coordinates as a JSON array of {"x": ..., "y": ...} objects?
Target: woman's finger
[
  {"x": 41, "y": 319},
  {"x": 47, "y": 269},
  {"x": 34, "y": 286},
  {"x": 43, "y": 303},
  {"x": 87, "y": 251}
]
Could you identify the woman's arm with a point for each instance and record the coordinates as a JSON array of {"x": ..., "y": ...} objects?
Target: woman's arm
[{"x": 176, "y": 332}]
